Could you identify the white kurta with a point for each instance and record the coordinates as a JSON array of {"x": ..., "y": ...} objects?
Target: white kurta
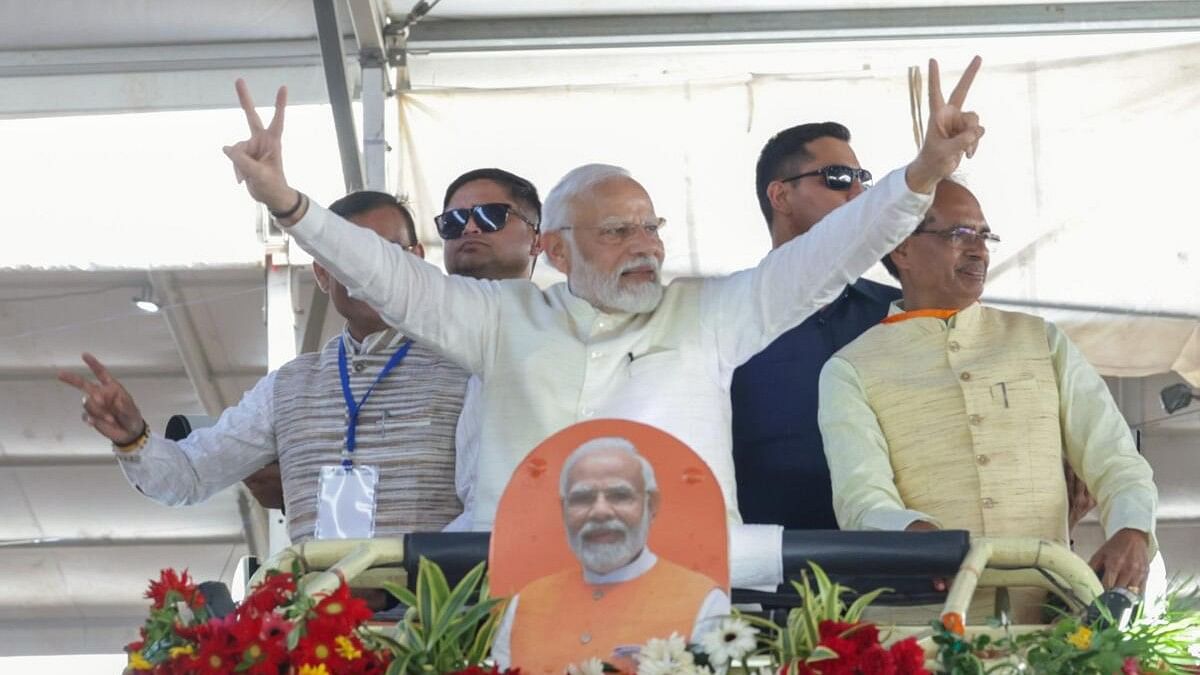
[{"x": 548, "y": 359}]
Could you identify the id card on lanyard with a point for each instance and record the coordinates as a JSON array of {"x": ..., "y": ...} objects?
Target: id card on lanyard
[{"x": 346, "y": 493}]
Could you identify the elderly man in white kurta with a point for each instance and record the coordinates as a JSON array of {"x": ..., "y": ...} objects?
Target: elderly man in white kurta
[
  {"x": 951, "y": 414},
  {"x": 612, "y": 341}
]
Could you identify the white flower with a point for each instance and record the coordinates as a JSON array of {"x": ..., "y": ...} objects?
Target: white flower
[
  {"x": 666, "y": 657},
  {"x": 592, "y": 666},
  {"x": 732, "y": 640}
]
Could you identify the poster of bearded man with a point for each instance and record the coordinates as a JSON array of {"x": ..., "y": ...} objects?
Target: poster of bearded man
[{"x": 609, "y": 533}]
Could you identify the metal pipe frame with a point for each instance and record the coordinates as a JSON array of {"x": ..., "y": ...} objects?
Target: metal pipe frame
[
  {"x": 329, "y": 34},
  {"x": 122, "y": 542},
  {"x": 825, "y": 25}
]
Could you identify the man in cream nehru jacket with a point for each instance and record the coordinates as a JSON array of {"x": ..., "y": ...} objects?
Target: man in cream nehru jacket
[{"x": 950, "y": 414}]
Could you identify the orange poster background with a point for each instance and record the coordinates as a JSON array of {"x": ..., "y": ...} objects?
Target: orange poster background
[{"x": 529, "y": 540}]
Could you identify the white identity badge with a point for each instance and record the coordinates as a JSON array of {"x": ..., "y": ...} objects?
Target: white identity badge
[{"x": 346, "y": 502}]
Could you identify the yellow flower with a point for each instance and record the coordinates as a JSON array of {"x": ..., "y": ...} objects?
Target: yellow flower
[
  {"x": 186, "y": 650},
  {"x": 318, "y": 669},
  {"x": 139, "y": 662},
  {"x": 1081, "y": 638},
  {"x": 346, "y": 648}
]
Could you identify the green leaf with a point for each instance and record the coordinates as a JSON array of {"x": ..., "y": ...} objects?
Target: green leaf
[
  {"x": 821, "y": 653},
  {"x": 401, "y": 593}
]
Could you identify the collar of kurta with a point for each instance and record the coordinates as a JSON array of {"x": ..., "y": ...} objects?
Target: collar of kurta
[
  {"x": 379, "y": 342},
  {"x": 945, "y": 317}
]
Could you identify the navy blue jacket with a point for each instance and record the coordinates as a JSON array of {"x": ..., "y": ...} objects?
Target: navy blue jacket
[{"x": 782, "y": 474}]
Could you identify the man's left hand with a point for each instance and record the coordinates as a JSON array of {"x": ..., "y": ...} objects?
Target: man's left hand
[{"x": 1124, "y": 560}]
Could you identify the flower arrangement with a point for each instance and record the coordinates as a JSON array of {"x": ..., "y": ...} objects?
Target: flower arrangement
[
  {"x": 279, "y": 630},
  {"x": 274, "y": 630},
  {"x": 1164, "y": 645}
]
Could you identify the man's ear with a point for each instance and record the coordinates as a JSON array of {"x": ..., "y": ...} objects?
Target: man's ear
[
  {"x": 535, "y": 247},
  {"x": 556, "y": 248},
  {"x": 322, "y": 277},
  {"x": 900, "y": 257},
  {"x": 418, "y": 250},
  {"x": 652, "y": 502},
  {"x": 777, "y": 192}
]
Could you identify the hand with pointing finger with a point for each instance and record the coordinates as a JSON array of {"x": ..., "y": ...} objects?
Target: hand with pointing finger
[
  {"x": 952, "y": 132},
  {"x": 107, "y": 406},
  {"x": 258, "y": 160}
]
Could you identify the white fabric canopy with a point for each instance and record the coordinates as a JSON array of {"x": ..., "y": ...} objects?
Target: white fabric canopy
[{"x": 1084, "y": 173}]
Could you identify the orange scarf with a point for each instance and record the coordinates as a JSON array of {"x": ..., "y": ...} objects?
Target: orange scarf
[{"x": 942, "y": 314}]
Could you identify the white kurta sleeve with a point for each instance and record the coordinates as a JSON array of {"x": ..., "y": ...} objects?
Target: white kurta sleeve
[
  {"x": 1099, "y": 444},
  {"x": 455, "y": 315},
  {"x": 860, "y": 470},
  {"x": 748, "y": 310},
  {"x": 211, "y": 459}
]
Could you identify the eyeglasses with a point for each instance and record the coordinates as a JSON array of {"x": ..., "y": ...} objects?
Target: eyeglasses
[
  {"x": 619, "y": 233},
  {"x": 488, "y": 218},
  {"x": 837, "y": 176},
  {"x": 964, "y": 236}
]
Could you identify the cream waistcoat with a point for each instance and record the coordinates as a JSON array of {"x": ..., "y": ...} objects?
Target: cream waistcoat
[{"x": 969, "y": 410}]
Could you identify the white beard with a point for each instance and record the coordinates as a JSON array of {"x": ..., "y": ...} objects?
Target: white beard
[
  {"x": 602, "y": 558},
  {"x": 605, "y": 291}
]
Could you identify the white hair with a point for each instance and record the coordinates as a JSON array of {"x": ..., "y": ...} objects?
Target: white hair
[
  {"x": 556, "y": 210},
  {"x": 606, "y": 443}
]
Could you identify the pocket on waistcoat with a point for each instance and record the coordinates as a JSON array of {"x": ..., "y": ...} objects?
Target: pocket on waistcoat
[{"x": 1021, "y": 390}]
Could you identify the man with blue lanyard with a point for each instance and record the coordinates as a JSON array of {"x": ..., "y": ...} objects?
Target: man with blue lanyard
[{"x": 363, "y": 430}]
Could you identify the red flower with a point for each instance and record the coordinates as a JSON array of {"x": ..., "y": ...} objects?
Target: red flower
[
  {"x": 171, "y": 581},
  {"x": 827, "y": 629},
  {"x": 313, "y": 650},
  {"x": 211, "y": 658},
  {"x": 876, "y": 660},
  {"x": 909, "y": 657},
  {"x": 338, "y": 613},
  {"x": 274, "y": 628},
  {"x": 1131, "y": 666},
  {"x": 275, "y": 590}
]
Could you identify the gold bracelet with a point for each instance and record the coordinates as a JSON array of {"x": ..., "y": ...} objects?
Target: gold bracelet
[{"x": 137, "y": 443}]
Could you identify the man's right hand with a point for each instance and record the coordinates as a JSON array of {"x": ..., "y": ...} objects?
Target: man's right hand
[
  {"x": 951, "y": 133},
  {"x": 258, "y": 160},
  {"x": 107, "y": 406}
]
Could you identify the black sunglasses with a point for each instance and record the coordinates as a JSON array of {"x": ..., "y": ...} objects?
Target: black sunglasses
[
  {"x": 488, "y": 218},
  {"x": 837, "y": 176}
]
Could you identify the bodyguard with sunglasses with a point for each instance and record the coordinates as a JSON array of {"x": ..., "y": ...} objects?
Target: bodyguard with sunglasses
[
  {"x": 954, "y": 415},
  {"x": 803, "y": 174},
  {"x": 612, "y": 341},
  {"x": 489, "y": 226}
]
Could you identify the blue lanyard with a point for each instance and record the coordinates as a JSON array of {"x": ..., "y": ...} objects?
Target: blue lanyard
[{"x": 355, "y": 408}]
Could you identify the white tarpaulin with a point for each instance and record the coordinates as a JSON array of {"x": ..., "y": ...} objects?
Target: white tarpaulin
[{"x": 1086, "y": 172}]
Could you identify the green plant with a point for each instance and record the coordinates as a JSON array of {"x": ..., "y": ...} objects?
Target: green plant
[
  {"x": 441, "y": 631},
  {"x": 822, "y": 601},
  {"x": 1150, "y": 645}
]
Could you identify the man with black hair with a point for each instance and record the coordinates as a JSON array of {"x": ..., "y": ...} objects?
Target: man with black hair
[
  {"x": 298, "y": 415},
  {"x": 484, "y": 251},
  {"x": 803, "y": 174},
  {"x": 476, "y": 206}
]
